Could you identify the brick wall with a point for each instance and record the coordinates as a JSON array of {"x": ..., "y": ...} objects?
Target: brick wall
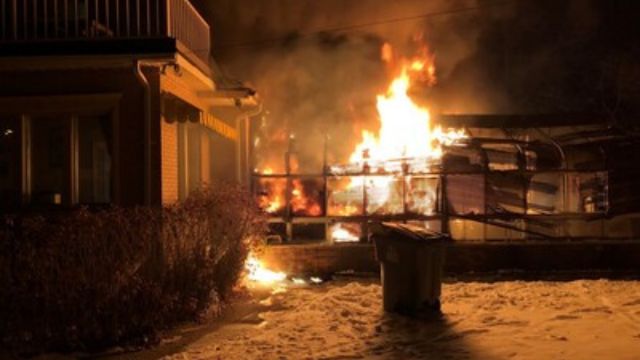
[
  {"x": 169, "y": 152},
  {"x": 320, "y": 259},
  {"x": 462, "y": 258}
]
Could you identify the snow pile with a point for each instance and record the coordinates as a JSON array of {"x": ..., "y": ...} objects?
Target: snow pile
[{"x": 519, "y": 320}]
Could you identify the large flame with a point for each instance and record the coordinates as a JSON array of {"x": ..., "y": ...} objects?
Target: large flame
[
  {"x": 406, "y": 133},
  {"x": 407, "y": 141},
  {"x": 405, "y": 127}
]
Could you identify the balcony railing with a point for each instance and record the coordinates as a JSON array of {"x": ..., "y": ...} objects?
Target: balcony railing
[{"x": 44, "y": 20}]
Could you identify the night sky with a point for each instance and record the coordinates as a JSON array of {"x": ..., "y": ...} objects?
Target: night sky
[{"x": 569, "y": 51}]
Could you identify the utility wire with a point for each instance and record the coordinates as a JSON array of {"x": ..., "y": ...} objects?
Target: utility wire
[{"x": 347, "y": 28}]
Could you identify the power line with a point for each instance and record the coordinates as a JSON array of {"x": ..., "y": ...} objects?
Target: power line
[{"x": 352, "y": 27}]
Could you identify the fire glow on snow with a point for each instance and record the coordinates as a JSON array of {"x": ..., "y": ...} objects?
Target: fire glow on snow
[{"x": 258, "y": 273}]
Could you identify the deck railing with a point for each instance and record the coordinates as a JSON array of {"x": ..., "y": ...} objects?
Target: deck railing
[{"x": 43, "y": 20}]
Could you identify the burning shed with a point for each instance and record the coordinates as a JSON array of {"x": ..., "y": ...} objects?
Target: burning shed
[
  {"x": 501, "y": 178},
  {"x": 476, "y": 177},
  {"x": 506, "y": 179}
]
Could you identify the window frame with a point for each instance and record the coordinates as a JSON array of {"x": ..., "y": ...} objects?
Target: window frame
[{"x": 74, "y": 107}]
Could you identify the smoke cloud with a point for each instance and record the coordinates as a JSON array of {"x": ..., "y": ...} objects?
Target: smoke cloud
[{"x": 526, "y": 56}]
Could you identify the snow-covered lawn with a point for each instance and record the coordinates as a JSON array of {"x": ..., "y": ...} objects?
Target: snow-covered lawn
[{"x": 586, "y": 319}]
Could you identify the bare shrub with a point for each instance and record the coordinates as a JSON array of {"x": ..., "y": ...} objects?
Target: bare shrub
[{"x": 85, "y": 280}]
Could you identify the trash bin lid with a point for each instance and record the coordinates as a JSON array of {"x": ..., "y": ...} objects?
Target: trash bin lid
[{"x": 405, "y": 232}]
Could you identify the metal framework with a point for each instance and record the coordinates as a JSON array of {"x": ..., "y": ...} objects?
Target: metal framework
[{"x": 505, "y": 182}]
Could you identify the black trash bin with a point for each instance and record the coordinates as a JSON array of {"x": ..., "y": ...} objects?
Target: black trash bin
[{"x": 411, "y": 265}]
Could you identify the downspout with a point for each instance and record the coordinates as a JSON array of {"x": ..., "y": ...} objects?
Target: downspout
[
  {"x": 239, "y": 152},
  {"x": 147, "y": 130}
]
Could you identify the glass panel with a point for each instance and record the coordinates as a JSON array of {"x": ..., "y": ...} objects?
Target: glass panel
[
  {"x": 585, "y": 157},
  {"x": 277, "y": 232},
  {"x": 10, "y": 159},
  {"x": 466, "y": 230},
  {"x": 502, "y": 158},
  {"x": 194, "y": 162},
  {"x": 222, "y": 162},
  {"x": 462, "y": 159},
  {"x": 541, "y": 228},
  {"x": 205, "y": 158},
  {"x": 346, "y": 196},
  {"x": 94, "y": 148},
  {"x": 345, "y": 232},
  {"x": 544, "y": 195},
  {"x": 308, "y": 232},
  {"x": 587, "y": 192},
  {"x": 384, "y": 195},
  {"x": 586, "y": 228},
  {"x": 422, "y": 195},
  {"x": 505, "y": 193},
  {"x": 270, "y": 194},
  {"x": 625, "y": 226},
  {"x": 50, "y": 161},
  {"x": 307, "y": 197},
  {"x": 465, "y": 194},
  {"x": 432, "y": 225}
]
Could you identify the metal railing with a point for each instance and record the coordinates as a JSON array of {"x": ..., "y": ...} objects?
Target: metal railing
[
  {"x": 187, "y": 25},
  {"x": 42, "y": 20}
]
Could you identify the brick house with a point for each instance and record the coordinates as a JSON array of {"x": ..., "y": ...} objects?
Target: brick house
[{"x": 115, "y": 101}]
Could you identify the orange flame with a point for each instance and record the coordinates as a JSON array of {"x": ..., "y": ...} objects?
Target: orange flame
[
  {"x": 406, "y": 135},
  {"x": 302, "y": 202},
  {"x": 405, "y": 128}
]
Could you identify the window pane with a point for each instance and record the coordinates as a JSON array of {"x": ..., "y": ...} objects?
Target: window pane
[
  {"x": 223, "y": 153},
  {"x": 94, "y": 162},
  {"x": 466, "y": 194},
  {"x": 194, "y": 165},
  {"x": 10, "y": 154},
  {"x": 205, "y": 158},
  {"x": 50, "y": 160}
]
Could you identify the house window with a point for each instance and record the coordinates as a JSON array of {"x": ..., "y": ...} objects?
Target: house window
[
  {"x": 10, "y": 163},
  {"x": 94, "y": 160},
  {"x": 55, "y": 160},
  {"x": 50, "y": 160},
  {"x": 195, "y": 157}
]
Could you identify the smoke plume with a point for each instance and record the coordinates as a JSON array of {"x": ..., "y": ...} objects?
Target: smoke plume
[{"x": 318, "y": 75}]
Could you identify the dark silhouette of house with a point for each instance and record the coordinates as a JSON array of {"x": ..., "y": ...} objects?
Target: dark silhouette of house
[{"x": 115, "y": 101}]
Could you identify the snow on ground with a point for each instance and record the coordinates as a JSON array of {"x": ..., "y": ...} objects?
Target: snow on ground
[{"x": 586, "y": 319}]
